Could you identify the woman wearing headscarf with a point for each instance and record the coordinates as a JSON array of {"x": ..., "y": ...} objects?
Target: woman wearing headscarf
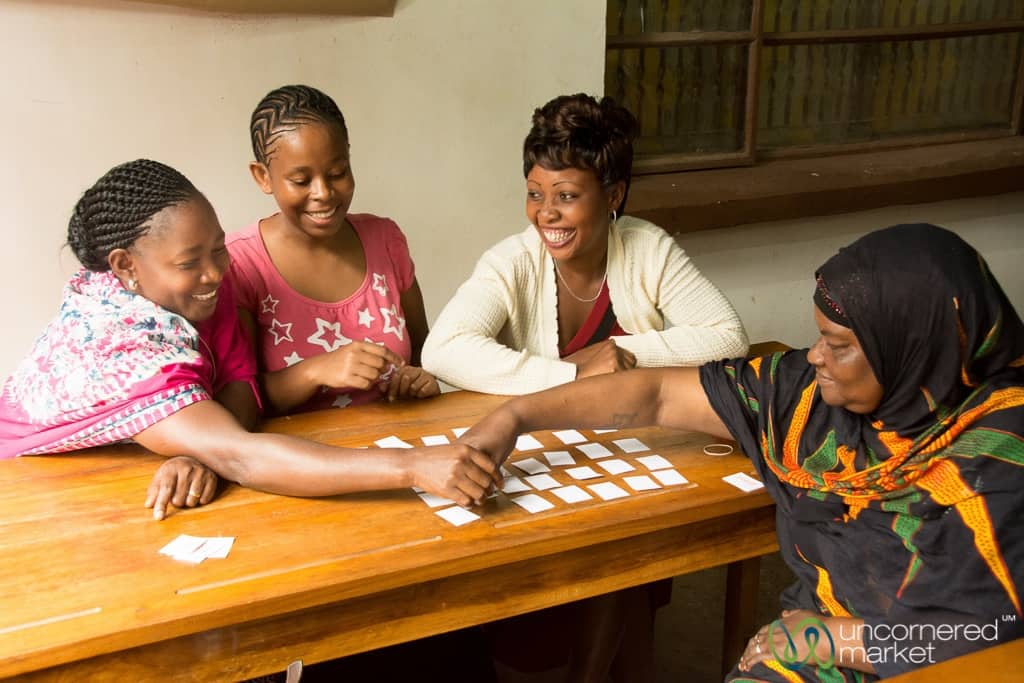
[{"x": 893, "y": 447}]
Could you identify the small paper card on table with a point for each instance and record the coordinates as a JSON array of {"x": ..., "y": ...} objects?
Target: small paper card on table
[
  {"x": 572, "y": 494},
  {"x": 514, "y": 485},
  {"x": 654, "y": 462},
  {"x": 670, "y": 477},
  {"x": 631, "y": 445},
  {"x": 558, "y": 458},
  {"x": 583, "y": 472},
  {"x": 392, "y": 442},
  {"x": 457, "y": 515},
  {"x": 595, "y": 450},
  {"x": 532, "y": 503},
  {"x": 641, "y": 482},
  {"x": 527, "y": 442},
  {"x": 615, "y": 466},
  {"x": 195, "y": 549},
  {"x": 531, "y": 466},
  {"x": 608, "y": 490},
  {"x": 459, "y": 431},
  {"x": 604, "y": 431},
  {"x": 435, "y": 501},
  {"x": 542, "y": 482},
  {"x": 569, "y": 436},
  {"x": 743, "y": 481},
  {"x": 435, "y": 440}
]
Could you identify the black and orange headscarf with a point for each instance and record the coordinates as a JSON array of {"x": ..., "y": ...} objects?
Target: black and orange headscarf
[{"x": 920, "y": 503}]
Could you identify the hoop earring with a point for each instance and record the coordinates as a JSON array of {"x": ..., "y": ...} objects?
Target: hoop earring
[
  {"x": 133, "y": 284},
  {"x": 615, "y": 216}
]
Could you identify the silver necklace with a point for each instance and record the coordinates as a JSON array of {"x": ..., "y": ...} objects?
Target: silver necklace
[{"x": 572, "y": 293}]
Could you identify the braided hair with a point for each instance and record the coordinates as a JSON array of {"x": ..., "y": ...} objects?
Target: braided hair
[
  {"x": 117, "y": 210},
  {"x": 578, "y": 131},
  {"x": 284, "y": 109}
]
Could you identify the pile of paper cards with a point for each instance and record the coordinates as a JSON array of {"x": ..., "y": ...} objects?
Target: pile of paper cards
[{"x": 195, "y": 549}]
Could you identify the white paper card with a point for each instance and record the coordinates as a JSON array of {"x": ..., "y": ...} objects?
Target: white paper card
[
  {"x": 531, "y": 502},
  {"x": 641, "y": 482},
  {"x": 743, "y": 481},
  {"x": 559, "y": 458},
  {"x": 457, "y": 516},
  {"x": 218, "y": 547},
  {"x": 654, "y": 462},
  {"x": 526, "y": 442},
  {"x": 615, "y": 466},
  {"x": 435, "y": 501},
  {"x": 505, "y": 472},
  {"x": 514, "y": 485},
  {"x": 435, "y": 440},
  {"x": 608, "y": 490},
  {"x": 670, "y": 477},
  {"x": 572, "y": 494},
  {"x": 631, "y": 445},
  {"x": 182, "y": 545},
  {"x": 542, "y": 482},
  {"x": 605, "y": 431},
  {"x": 569, "y": 436},
  {"x": 583, "y": 472},
  {"x": 392, "y": 442},
  {"x": 595, "y": 450},
  {"x": 459, "y": 431},
  {"x": 531, "y": 466}
]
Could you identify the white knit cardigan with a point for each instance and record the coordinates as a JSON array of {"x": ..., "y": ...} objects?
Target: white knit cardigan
[{"x": 499, "y": 333}]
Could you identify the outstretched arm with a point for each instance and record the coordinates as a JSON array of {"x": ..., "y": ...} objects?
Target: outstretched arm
[
  {"x": 667, "y": 397},
  {"x": 297, "y": 467}
]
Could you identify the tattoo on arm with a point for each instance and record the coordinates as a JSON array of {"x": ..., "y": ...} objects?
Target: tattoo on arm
[{"x": 620, "y": 420}]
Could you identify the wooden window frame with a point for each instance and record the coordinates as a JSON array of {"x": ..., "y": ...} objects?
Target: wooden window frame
[{"x": 756, "y": 38}]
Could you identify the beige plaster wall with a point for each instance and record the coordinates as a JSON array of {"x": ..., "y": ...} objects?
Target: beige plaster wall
[{"x": 438, "y": 99}]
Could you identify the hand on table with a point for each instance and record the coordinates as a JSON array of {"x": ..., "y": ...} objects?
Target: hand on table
[
  {"x": 358, "y": 365},
  {"x": 410, "y": 381},
  {"x": 601, "y": 358},
  {"x": 183, "y": 482},
  {"x": 455, "y": 471},
  {"x": 790, "y": 639}
]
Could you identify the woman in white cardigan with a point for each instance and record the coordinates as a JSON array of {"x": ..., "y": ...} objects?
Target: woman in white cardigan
[{"x": 582, "y": 291}]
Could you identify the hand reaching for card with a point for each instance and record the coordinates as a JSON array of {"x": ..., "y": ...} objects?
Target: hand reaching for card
[
  {"x": 409, "y": 381},
  {"x": 456, "y": 472}
]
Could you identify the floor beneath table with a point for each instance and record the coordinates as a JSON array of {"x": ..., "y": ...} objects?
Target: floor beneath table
[{"x": 688, "y": 632}]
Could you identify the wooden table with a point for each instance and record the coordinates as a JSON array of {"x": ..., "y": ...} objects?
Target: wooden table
[
  {"x": 84, "y": 594},
  {"x": 999, "y": 664}
]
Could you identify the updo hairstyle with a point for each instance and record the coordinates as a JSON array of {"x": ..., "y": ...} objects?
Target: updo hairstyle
[{"x": 119, "y": 207}]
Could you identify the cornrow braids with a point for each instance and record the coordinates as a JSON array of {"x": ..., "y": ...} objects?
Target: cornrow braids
[
  {"x": 580, "y": 131},
  {"x": 117, "y": 210},
  {"x": 286, "y": 108}
]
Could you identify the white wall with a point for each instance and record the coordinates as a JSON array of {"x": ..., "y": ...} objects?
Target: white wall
[
  {"x": 437, "y": 99},
  {"x": 767, "y": 269}
]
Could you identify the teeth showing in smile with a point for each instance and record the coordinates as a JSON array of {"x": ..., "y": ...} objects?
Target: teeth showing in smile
[
  {"x": 557, "y": 236},
  {"x": 322, "y": 214},
  {"x": 205, "y": 297}
]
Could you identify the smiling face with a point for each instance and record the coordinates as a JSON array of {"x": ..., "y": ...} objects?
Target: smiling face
[
  {"x": 180, "y": 262},
  {"x": 570, "y": 210},
  {"x": 310, "y": 178},
  {"x": 845, "y": 377}
]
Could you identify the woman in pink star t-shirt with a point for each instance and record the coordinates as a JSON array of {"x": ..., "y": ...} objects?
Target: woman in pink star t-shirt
[{"x": 337, "y": 312}]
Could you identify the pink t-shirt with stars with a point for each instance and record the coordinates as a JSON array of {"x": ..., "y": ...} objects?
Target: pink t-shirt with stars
[{"x": 293, "y": 327}]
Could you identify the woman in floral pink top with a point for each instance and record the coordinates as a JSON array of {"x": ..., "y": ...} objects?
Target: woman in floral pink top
[
  {"x": 148, "y": 333},
  {"x": 332, "y": 295}
]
